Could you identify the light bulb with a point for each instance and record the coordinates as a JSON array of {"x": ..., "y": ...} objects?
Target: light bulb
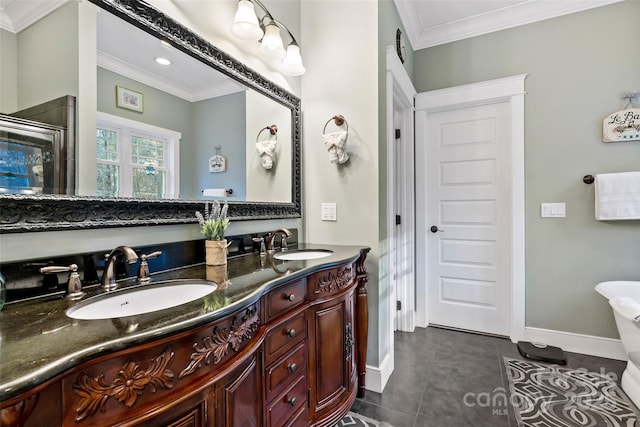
[
  {"x": 272, "y": 42},
  {"x": 292, "y": 63},
  {"x": 245, "y": 23}
]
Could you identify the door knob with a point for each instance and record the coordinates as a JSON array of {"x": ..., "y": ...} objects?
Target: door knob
[{"x": 435, "y": 229}]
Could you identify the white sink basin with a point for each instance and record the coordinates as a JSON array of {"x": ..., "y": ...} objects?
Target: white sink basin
[
  {"x": 303, "y": 254},
  {"x": 153, "y": 297}
]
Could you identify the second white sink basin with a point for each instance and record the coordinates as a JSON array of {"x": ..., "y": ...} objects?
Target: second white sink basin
[
  {"x": 303, "y": 254},
  {"x": 153, "y": 297}
]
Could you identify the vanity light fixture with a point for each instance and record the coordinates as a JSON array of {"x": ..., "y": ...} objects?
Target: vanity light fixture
[
  {"x": 247, "y": 26},
  {"x": 163, "y": 61}
]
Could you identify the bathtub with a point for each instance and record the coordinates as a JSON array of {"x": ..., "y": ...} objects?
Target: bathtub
[{"x": 629, "y": 331}]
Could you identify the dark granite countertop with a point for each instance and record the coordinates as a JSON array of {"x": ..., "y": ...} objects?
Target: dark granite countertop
[{"x": 38, "y": 341}]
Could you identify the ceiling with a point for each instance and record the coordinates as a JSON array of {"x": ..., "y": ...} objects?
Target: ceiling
[
  {"x": 430, "y": 23},
  {"x": 427, "y": 23},
  {"x": 186, "y": 77}
]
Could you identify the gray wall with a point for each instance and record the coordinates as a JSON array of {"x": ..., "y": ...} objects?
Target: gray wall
[
  {"x": 273, "y": 184},
  {"x": 48, "y": 66},
  {"x": 579, "y": 66},
  {"x": 204, "y": 124},
  {"x": 8, "y": 72},
  {"x": 342, "y": 78},
  {"x": 216, "y": 121}
]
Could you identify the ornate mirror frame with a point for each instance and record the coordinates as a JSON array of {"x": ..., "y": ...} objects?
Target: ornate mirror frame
[{"x": 28, "y": 213}]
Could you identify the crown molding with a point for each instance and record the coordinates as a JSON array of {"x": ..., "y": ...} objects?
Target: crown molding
[
  {"x": 18, "y": 15},
  {"x": 485, "y": 23},
  {"x": 123, "y": 68}
]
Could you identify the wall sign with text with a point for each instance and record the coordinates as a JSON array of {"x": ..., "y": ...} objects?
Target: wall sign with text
[
  {"x": 217, "y": 163},
  {"x": 623, "y": 125}
]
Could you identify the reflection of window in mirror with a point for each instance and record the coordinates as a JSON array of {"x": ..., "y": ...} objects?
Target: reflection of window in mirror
[{"x": 135, "y": 159}]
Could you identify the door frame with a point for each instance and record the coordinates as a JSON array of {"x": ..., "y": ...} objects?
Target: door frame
[
  {"x": 508, "y": 89},
  {"x": 400, "y": 97}
]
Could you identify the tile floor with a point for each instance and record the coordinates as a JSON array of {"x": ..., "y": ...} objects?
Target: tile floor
[{"x": 442, "y": 379}]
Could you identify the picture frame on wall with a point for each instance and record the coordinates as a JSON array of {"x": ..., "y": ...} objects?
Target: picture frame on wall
[{"x": 129, "y": 99}]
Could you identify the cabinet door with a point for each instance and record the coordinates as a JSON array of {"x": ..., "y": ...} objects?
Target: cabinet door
[
  {"x": 331, "y": 361},
  {"x": 195, "y": 416},
  {"x": 241, "y": 396}
]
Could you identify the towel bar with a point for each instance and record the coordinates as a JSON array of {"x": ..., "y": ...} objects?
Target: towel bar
[{"x": 339, "y": 120}]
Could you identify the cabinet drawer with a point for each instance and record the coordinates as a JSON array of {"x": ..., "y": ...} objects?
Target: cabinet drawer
[
  {"x": 301, "y": 419},
  {"x": 287, "y": 404},
  {"x": 285, "y": 369},
  {"x": 285, "y": 336},
  {"x": 285, "y": 298}
]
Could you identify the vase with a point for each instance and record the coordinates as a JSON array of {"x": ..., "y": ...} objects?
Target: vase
[{"x": 216, "y": 252}]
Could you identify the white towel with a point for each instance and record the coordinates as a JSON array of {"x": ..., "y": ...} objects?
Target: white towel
[
  {"x": 267, "y": 152},
  {"x": 626, "y": 307},
  {"x": 618, "y": 196},
  {"x": 336, "y": 143}
]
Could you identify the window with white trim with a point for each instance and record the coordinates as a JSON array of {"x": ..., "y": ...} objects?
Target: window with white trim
[{"x": 136, "y": 159}]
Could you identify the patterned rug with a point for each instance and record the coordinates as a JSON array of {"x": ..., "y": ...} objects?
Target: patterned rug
[
  {"x": 553, "y": 396},
  {"x": 353, "y": 419}
]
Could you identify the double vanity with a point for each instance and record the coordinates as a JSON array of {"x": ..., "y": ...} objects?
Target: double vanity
[{"x": 273, "y": 340}]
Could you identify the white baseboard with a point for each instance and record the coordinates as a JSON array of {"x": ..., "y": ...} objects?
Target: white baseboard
[
  {"x": 377, "y": 377},
  {"x": 577, "y": 343}
]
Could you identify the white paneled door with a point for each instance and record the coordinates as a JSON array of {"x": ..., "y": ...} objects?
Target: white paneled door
[{"x": 468, "y": 218}]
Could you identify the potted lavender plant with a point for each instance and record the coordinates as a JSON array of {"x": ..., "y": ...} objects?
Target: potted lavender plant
[{"x": 213, "y": 225}]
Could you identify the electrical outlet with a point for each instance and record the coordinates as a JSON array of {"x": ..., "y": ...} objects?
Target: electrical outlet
[{"x": 329, "y": 212}]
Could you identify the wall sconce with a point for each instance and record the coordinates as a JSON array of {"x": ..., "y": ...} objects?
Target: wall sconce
[{"x": 246, "y": 26}]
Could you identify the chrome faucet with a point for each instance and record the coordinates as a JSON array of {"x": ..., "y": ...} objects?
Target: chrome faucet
[
  {"x": 263, "y": 247},
  {"x": 286, "y": 233},
  {"x": 74, "y": 284},
  {"x": 144, "y": 275},
  {"x": 108, "y": 275}
]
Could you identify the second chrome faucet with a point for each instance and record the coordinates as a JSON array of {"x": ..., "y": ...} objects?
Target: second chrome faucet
[
  {"x": 130, "y": 256},
  {"x": 270, "y": 240},
  {"x": 108, "y": 275}
]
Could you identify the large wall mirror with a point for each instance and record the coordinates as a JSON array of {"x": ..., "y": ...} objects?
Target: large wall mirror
[{"x": 211, "y": 116}]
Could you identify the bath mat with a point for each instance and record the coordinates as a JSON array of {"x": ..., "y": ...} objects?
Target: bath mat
[
  {"x": 357, "y": 420},
  {"x": 554, "y": 396}
]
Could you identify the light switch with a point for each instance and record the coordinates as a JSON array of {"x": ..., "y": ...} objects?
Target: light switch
[
  {"x": 329, "y": 212},
  {"x": 553, "y": 210}
]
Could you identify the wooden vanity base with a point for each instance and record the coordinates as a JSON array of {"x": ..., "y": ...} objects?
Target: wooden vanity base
[{"x": 295, "y": 357}]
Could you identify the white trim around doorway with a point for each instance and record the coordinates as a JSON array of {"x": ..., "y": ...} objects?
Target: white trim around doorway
[
  {"x": 400, "y": 92},
  {"x": 509, "y": 89}
]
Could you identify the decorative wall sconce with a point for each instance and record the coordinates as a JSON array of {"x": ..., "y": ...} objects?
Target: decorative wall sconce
[
  {"x": 267, "y": 149},
  {"x": 336, "y": 142},
  {"x": 246, "y": 26}
]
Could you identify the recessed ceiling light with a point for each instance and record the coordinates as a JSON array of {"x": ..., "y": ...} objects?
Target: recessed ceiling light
[{"x": 163, "y": 61}]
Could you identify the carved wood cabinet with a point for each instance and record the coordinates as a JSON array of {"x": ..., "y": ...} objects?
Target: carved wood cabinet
[{"x": 293, "y": 357}]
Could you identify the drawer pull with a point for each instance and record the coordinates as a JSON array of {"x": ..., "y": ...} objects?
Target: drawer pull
[
  {"x": 291, "y": 333},
  {"x": 292, "y": 367},
  {"x": 290, "y": 297},
  {"x": 292, "y": 401}
]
